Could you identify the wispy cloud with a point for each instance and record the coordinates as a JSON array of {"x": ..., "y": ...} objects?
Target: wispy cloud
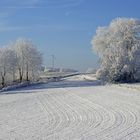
[
  {"x": 9, "y": 28},
  {"x": 4, "y": 16},
  {"x": 11, "y": 3},
  {"x": 40, "y": 28},
  {"x": 7, "y": 22},
  {"x": 16, "y": 4}
]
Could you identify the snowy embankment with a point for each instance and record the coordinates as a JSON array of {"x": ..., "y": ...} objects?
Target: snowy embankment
[
  {"x": 13, "y": 87},
  {"x": 72, "y": 109},
  {"x": 135, "y": 86},
  {"x": 27, "y": 84}
]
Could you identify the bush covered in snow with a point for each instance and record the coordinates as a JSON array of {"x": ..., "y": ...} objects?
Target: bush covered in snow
[{"x": 118, "y": 46}]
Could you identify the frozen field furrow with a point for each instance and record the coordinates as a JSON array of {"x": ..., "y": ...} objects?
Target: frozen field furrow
[{"x": 64, "y": 112}]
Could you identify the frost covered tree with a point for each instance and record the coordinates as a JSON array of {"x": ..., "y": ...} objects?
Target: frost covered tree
[
  {"x": 118, "y": 46},
  {"x": 19, "y": 61},
  {"x": 35, "y": 63},
  {"x": 13, "y": 63},
  {"x": 7, "y": 63},
  {"x": 29, "y": 59}
]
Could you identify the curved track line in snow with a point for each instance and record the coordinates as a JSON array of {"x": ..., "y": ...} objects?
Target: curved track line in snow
[{"x": 78, "y": 113}]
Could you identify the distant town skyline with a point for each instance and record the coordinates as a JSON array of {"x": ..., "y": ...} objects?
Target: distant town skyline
[{"x": 62, "y": 28}]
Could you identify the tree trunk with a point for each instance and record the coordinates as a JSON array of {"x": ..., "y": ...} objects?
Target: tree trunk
[
  {"x": 27, "y": 73},
  {"x": 20, "y": 79},
  {"x": 27, "y": 76},
  {"x": 3, "y": 81},
  {"x": 20, "y": 75},
  {"x": 13, "y": 76}
]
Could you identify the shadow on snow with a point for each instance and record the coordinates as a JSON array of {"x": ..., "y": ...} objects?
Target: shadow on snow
[{"x": 51, "y": 85}]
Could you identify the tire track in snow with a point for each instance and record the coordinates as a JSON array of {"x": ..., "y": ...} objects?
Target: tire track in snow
[
  {"x": 90, "y": 113},
  {"x": 128, "y": 119}
]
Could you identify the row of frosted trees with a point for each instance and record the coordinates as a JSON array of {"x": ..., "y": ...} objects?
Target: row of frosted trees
[{"x": 19, "y": 61}]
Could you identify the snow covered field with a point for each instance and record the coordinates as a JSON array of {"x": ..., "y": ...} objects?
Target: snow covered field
[{"x": 73, "y": 109}]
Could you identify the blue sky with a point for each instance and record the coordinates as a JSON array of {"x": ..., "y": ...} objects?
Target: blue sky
[{"x": 62, "y": 27}]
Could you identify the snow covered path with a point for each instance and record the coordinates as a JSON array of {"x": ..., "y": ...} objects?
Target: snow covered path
[{"x": 70, "y": 111}]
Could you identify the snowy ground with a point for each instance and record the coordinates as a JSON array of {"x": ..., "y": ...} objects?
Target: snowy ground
[{"x": 73, "y": 109}]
